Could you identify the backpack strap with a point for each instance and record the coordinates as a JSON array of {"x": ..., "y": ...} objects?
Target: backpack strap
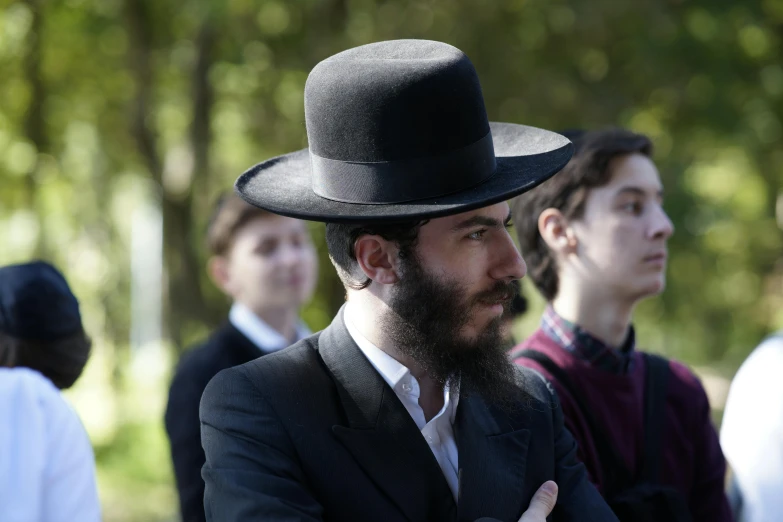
[
  {"x": 656, "y": 381},
  {"x": 615, "y": 472}
]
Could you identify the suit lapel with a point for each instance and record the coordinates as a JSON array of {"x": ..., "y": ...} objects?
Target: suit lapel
[
  {"x": 381, "y": 435},
  {"x": 492, "y": 460}
]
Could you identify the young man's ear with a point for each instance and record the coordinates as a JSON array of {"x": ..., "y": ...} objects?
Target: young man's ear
[
  {"x": 556, "y": 231},
  {"x": 217, "y": 267},
  {"x": 377, "y": 258}
]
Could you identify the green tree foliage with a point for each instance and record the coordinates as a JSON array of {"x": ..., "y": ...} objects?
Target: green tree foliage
[{"x": 107, "y": 105}]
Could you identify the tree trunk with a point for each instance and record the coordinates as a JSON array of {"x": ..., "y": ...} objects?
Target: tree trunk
[
  {"x": 185, "y": 266},
  {"x": 183, "y": 299},
  {"x": 34, "y": 123}
]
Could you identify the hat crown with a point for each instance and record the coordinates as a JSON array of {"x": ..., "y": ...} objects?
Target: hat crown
[{"x": 394, "y": 100}]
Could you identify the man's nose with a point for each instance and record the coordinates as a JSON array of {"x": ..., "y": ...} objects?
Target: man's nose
[
  {"x": 291, "y": 255},
  {"x": 662, "y": 227},
  {"x": 510, "y": 263}
]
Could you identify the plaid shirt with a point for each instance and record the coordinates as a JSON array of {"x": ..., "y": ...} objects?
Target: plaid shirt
[{"x": 585, "y": 346}]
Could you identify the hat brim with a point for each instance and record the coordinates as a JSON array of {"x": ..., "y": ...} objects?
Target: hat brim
[{"x": 526, "y": 157}]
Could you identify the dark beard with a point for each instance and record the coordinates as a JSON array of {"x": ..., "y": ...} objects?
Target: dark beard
[{"x": 425, "y": 323}]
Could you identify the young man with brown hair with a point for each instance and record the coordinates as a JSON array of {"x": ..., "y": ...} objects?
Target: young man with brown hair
[
  {"x": 267, "y": 265},
  {"x": 595, "y": 241}
]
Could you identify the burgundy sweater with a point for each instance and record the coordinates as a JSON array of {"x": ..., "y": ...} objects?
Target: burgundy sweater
[{"x": 692, "y": 460}]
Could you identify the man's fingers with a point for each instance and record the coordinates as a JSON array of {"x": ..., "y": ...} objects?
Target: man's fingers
[{"x": 542, "y": 504}]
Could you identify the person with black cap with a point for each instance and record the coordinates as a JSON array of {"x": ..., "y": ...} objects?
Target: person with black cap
[
  {"x": 40, "y": 324},
  {"x": 47, "y": 468},
  {"x": 405, "y": 408},
  {"x": 515, "y": 310}
]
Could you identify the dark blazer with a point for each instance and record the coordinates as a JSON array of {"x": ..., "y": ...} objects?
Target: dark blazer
[
  {"x": 226, "y": 347},
  {"x": 313, "y": 432}
]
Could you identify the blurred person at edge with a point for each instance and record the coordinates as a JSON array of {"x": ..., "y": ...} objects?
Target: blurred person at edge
[
  {"x": 752, "y": 434},
  {"x": 47, "y": 467},
  {"x": 595, "y": 241},
  {"x": 267, "y": 265},
  {"x": 516, "y": 309}
]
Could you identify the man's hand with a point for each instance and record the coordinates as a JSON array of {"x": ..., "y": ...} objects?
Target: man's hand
[{"x": 542, "y": 504}]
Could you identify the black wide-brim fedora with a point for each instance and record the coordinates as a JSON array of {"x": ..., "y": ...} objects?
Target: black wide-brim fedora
[{"x": 398, "y": 131}]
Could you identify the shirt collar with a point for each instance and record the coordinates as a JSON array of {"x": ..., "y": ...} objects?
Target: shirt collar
[
  {"x": 587, "y": 347},
  {"x": 266, "y": 338},
  {"x": 391, "y": 370}
]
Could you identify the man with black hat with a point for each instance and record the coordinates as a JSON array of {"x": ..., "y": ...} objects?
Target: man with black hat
[{"x": 405, "y": 407}]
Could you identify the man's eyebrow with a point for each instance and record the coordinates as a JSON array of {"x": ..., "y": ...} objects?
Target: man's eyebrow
[
  {"x": 266, "y": 239},
  {"x": 485, "y": 221},
  {"x": 638, "y": 191}
]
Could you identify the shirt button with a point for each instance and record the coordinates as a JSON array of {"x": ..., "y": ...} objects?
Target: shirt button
[
  {"x": 430, "y": 439},
  {"x": 406, "y": 387}
]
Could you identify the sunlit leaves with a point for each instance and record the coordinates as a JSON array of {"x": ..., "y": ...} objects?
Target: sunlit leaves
[
  {"x": 273, "y": 17},
  {"x": 15, "y": 22},
  {"x": 702, "y": 24},
  {"x": 754, "y": 41},
  {"x": 19, "y": 157}
]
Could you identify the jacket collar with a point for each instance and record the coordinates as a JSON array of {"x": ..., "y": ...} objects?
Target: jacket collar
[
  {"x": 492, "y": 462},
  {"x": 380, "y": 433},
  {"x": 242, "y": 349},
  {"x": 266, "y": 338},
  {"x": 386, "y": 442}
]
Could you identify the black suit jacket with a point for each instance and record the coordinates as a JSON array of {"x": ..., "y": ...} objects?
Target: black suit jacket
[
  {"x": 226, "y": 347},
  {"x": 313, "y": 433}
]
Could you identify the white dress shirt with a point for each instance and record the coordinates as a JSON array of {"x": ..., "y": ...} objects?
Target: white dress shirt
[
  {"x": 259, "y": 332},
  {"x": 47, "y": 468},
  {"x": 752, "y": 432},
  {"x": 439, "y": 431}
]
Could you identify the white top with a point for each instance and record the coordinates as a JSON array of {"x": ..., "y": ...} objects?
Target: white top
[
  {"x": 47, "y": 468},
  {"x": 752, "y": 432},
  {"x": 259, "y": 332},
  {"x": 439, "y": 431}
]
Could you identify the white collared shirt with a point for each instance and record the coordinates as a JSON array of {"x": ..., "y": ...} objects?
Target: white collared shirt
[
  {"x": 439, "y": 431},
  {"x": 47, "y": 468},
  {"x": 259, "y": 332}
]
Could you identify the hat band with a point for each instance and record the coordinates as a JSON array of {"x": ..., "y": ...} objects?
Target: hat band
[{"x": 403, "y": 181}]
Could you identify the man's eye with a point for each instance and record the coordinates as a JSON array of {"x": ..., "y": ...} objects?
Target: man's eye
[
  {"x": 634, "y": 207},
  {"x": 266, "y": 249},
  {"x": 477, "y": 235}
]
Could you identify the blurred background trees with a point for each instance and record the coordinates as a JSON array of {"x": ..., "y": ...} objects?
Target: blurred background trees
[{"x": 121, "y": 121}]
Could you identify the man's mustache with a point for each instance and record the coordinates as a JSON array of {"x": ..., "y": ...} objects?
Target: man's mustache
[{"x": 501, "y": 292}]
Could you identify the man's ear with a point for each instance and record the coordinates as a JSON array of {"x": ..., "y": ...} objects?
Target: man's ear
[
  {"x": 377, "y": 258},
  {"x": 217, "y": 267},
  {"x": 556, "y": 231}
]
